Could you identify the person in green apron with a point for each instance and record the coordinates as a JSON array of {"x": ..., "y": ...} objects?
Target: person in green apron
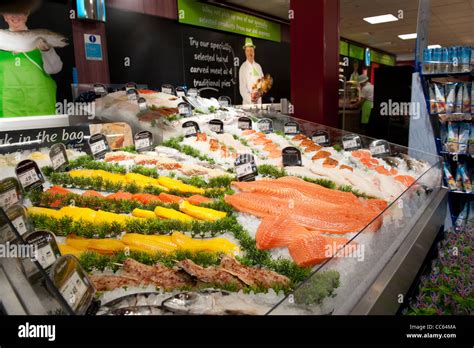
[
  {"x": 249, "y": 73},
  {"x": 366, "y": 100},
  {"x": 26, "y": 87}
]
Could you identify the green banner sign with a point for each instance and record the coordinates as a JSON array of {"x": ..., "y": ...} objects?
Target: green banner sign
[
  {"x": 343, "y": 48},
  {"x": 383, "y": 58},
  {"x": 214, "y": 17}
]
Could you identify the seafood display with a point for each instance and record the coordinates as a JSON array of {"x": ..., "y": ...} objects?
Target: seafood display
[{"x": 178, "y": 230}]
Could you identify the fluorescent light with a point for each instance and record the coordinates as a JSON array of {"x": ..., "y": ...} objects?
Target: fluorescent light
[
  {"x": 381, "y": 19},
  {"x": 434, "y": 46},
  {"x": 408, "y": 36}
]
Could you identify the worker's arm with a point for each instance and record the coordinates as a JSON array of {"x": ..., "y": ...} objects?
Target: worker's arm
[
  {"x": 52, "y": 63},
  {"x": 359, "y": 103}
]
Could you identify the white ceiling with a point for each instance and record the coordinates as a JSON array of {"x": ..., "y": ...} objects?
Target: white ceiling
[{"x": 451, "y": 22}]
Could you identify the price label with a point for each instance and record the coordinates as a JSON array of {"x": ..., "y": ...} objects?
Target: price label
[
  {"x": 142, "y": 104},
  {"x": 130, "y": 85},
  {"x": 291, "y": 128},
  {"x": 98, "y": 145},
  {"x": 132, "y": 94},
  {"x": 244, "y": 123},
  {"x": 351, "y": 142},
  {"x": 380, "y": 148},
  {"x": 190, "y": 129},
  {"x": 9, "y": 193},
  {"x": 74, "y": 290},
  {"x": 265, "y": 126},
  {"x": 321, "y": 138},
  {"x": 143, "y": 141},
  {"x": 180, "y": 94},
  {"x": 100, "y": 89},
  {"x": 245, "y": 168},
  {"x": 185, "y": 109},
  {"x": 224, "y": 101},
  {"x": 29, "y": 175},
  {"x": 20, "y": 225},
  {"x": 193, "y": 92},
  {"x": 45, "y": 256},
  {"x": 216, "y": 126},
  {"x": 291, "y": 157},
  {"x": 58, "y": 157},
  {"x": 9, "y": 198},
  {"x": 168, "y": 89},
  {"x": 46, "y": 246}
]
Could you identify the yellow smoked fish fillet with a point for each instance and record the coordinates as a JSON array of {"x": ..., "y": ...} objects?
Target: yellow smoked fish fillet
[
  {"x": 144, "y": 214},
  {"x": 172, "y": 214},
  {"x": 215, "y": 245},
  {"x": 144, "y": 181},
  {"x": 106, "y": 217},
  {"x": 149, "y": 244},
  {"x": 200, "y": 213},
  {"x": 177, "y": 185},
  {"x": 77, "y": 213},
  {"x": 102, "y": 246},
  {"x": 55, "y": 214},
  {"x": 69, "y": 250}
]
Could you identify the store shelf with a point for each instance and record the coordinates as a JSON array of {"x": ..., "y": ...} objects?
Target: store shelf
[
  {"x": 462, "y": 192},
  {"x": 453, "y": 74}
]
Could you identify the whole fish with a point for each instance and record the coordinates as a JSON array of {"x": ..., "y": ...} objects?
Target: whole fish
[
  {"x": 27, "y": 41},
  {"x": 212, "y": 302}
]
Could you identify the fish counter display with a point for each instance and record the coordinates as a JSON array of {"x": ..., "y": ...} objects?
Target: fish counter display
[{"x": 226, "y": 218}]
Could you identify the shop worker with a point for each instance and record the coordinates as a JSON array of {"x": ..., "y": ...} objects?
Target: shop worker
[
  {"x": 249, "y": 73},
  {"x": 366, "y": 100},
  {"x": 26, "y": 87}
]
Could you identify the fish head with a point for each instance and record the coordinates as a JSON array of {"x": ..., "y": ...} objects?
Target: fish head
[{"x": 189, "y": 303}]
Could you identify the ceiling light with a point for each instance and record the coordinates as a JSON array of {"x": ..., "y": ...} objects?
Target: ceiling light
[
  {"x": 434, "y": 46},
  {"x": 381, "y": 19},
  {"x": 408, "y": 36}
]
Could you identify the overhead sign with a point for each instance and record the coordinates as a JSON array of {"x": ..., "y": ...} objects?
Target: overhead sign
[
  {"x": 93, "y": 46},
  {"x": 214, "y": 17}
]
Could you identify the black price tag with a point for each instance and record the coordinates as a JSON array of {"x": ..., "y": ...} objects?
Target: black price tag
[
  {"x": 100, "y": 89},
  {"x": 321, "y": 137},
  {"x": 193, "y": 92},
  {"x": 168, "y": 89},
  {"x": 72, "y": 281},
  {"x": 246, "y": 168},
  {"x": 98, "y": 145},
  {"x": 351, "y": 142},
  {"x": 19, "y": 218},
  {"x": 143, "y": 141},
  {"x": 380, "y": 148},
  {"x": 10, "y": 192},
  {"x": 244, "y": 123},
  {"x": 224, "y": 101},
  {"x": 190, "y": 129},
  {"x": 132, "y": 94},
  {"x": 142, "y": 104},
  {"x": 216, "y": 126},
  {"x": 180, "y": 91},
  {"x": 130, "y": 85},
  {"x": 291, "y": 157},
  {"x": 292, "y": 128},
  {"x": 47, "y": 250},
  {"x": 58, "y": 157},
  {"x": 265, "y": 126},
  {"x": 185, "y": 109},
  {"x": 29, "y": 175}
]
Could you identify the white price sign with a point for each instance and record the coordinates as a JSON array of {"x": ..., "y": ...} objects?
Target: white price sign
[
  {"x": 46, "y": 256},
  {"x": 243, "y": 169},
  {"x": 74, "y": 290},
  {"x": 9, "y": 198},
  {"x": 243, "y": 125},
  {"x": 215, "y": 128},
  {"x": 58, "y": 160},
  {"x": 180, "y": 94},
  {"x": 142, "y": 143},
  {"x": 98, "y": 147},
  {"x": 290, "y": 130},
  {"x": 349, "y": 144},
  {"x": 167, "y": 90},
  {"x": 320, "y": 139},
  {"x": 20, "y": 225},
  {"x": 377, "y": 150},
  {"x": 29, "y": 177},
  {"x": 190, "y": 131},
  {"x": 264, "y": 126}
]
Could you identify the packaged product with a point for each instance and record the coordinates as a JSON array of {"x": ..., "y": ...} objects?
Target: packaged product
[
  {"x": 459, "y": 186},
  {"x": 471, "y": 140},
  {"x": 449, "y": 177},
  {"x": 433, "y": 106},
  {"x": 466, "y": 181},
  {"x": 466, "y": 99},
  {"x": 464, "y": 130},
  {"x": 450, "y": 98},
  {"x": 459, "y": 99},
  {"x": 453, "y": 137},
  {"x": 440, "y": 99},
  {"x": 462, "y": 217}
]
